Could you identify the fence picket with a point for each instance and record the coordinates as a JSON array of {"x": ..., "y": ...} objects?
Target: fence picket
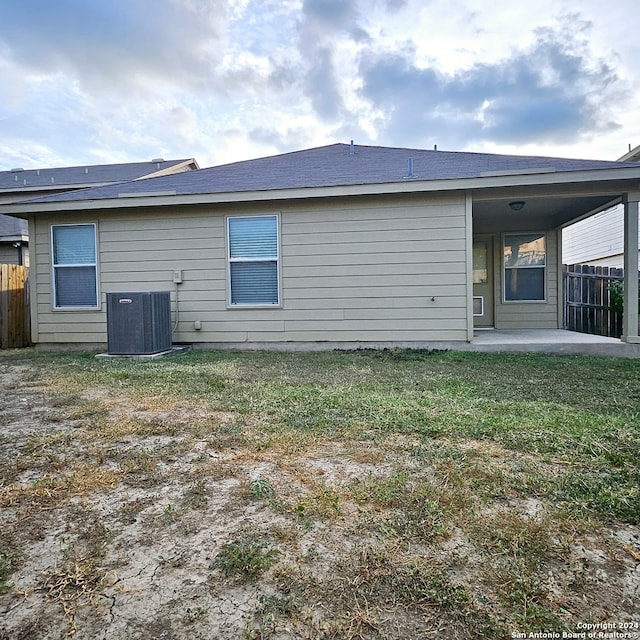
[
  {"x": 14, "y": 306},
  {"x": 588, "y": 306}
]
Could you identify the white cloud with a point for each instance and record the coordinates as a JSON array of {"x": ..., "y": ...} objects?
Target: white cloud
[{"x": 224, "y": 80}]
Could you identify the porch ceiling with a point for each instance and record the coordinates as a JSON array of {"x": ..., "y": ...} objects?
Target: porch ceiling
[
  {"x": 546, "y": 207},
  {"x": 539, "y": 212}
]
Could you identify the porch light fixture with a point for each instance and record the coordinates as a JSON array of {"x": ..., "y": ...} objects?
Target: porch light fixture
[{"x": 517, "y": 205}]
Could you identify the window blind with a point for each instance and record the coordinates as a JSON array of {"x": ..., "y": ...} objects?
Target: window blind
[
  {"x": 253, "y": 260},
  {"x": 74, "y": 244},
  {"x": 75, "y": 282},
  {"x": 255, "y": 237}
]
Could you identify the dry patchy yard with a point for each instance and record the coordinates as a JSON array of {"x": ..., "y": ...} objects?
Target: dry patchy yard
[{"x": 369, "y": 495}]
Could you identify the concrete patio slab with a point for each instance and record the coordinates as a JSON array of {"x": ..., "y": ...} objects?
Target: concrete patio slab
[{"x": 550, "y": 341}]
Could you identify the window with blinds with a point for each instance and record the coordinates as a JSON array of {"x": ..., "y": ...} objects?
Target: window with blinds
[
  {"x": 74, "y": 263},
  {"x": 253, "y": 260}
]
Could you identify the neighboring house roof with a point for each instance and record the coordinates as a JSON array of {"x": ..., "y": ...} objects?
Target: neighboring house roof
[
  {"x": 339, "y": 165},
  {"x": 12, "y": 229},
  {"x": 633, "y": 155},
  {"x": 20, "y": 184},
  {"x": 27, "y": 180}
]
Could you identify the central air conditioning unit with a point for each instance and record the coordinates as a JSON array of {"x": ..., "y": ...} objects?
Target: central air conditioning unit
[{"x": 138, "y": 322}]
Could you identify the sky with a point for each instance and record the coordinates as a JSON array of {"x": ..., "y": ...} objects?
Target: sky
[{"x": 105, "y": 81}]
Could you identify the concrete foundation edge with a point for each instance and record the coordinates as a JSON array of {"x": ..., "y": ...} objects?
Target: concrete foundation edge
[{"x": 615, "y": 349}]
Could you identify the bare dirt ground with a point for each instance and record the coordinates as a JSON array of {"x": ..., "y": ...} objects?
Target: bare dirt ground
[{"x": 119, "y": 534}]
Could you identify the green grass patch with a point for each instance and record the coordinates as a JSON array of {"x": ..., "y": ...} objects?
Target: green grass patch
[
  {"x": 582, "y": 412},
  {"x": 440, "y": 486},
  {"x": 245, "y": 559}
]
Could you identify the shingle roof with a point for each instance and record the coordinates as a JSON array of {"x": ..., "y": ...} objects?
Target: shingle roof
[
  {"x": 336, "y": 165},
  {"x": 11, "y": 227},
  {"x": 26, "y": 179}
]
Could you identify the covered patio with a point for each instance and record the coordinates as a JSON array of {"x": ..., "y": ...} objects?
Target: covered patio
[{"x": 550, "y": 201}]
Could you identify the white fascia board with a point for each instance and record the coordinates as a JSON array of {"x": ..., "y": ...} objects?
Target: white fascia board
[{"x": 390, "y": 188}]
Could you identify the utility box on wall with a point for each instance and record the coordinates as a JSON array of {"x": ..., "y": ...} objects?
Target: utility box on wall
[{"x": 138, "y": 322}]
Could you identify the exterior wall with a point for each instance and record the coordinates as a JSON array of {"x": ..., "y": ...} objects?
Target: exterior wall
[
  {"x": 356, "y": 270},
  {"x": 529, "y": 315},
  {"x": 14, "y": 255},
  {"x": 598, "y": 240},
  {"x": 616, "y": 261},
  {"x": 8, "y": 253}
]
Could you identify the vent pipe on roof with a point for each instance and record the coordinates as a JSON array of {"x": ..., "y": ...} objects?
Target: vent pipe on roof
[
  {"x": 86, "y": 170},
  {"x": 410, "y": 168},
  {"x": 352, "y": 149},
  {"x": 435, "y": 147}
]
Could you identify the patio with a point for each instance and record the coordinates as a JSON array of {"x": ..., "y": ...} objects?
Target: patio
[{"x": 556, "y": 341}]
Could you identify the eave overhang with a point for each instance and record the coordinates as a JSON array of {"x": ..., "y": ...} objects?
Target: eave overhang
[
  {"x": 14, "y": 238},
  {"x": 614, "y": 180}
]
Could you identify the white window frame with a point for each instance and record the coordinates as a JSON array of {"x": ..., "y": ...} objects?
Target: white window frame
[
  {"x": 544, "y": 267},
  {"x": 230, "y": 261},
  {"x": 54, "y": 266}
]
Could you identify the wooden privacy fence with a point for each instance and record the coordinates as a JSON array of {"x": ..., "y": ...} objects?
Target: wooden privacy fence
[
  {"x": 14, "y": 307},
  {"x": 589, "y": 306}
]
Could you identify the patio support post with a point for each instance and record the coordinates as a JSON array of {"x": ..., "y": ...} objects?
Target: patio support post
[
  {"x": 468, "y": 206},
  {"x": 630, "y": 318}
]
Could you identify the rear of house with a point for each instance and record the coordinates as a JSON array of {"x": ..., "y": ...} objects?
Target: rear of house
[
  {"x": 340, "y": 246},
  {"x": 385, "y": 270},
  {"x": 366, "y": 270}
]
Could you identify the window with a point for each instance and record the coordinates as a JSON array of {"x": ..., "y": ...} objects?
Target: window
[
  {"x": 524, "y": 266},
  {"x": 480, "y": 262},
  {"x": 253, "y": 260},
  {"x": 73, "y": 252}
]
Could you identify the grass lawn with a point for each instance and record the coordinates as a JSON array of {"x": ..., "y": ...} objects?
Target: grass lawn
[{"x": 369, "y": 494}]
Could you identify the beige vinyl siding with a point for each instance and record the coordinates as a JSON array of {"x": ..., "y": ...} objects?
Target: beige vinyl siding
[
  {"x": 349, "y": 272},
  {"x": 135, "y": 253},
  {"x": 368, "y": 273},
  {"x": 530, "y": 315}
]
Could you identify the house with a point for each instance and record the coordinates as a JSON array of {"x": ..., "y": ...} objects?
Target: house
[
  {"x": 343, "y": 245},
  {"x": 14, "y": 240},
  {"x": 21, "y": 184},
  {"x": 598, "y": 240}
]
